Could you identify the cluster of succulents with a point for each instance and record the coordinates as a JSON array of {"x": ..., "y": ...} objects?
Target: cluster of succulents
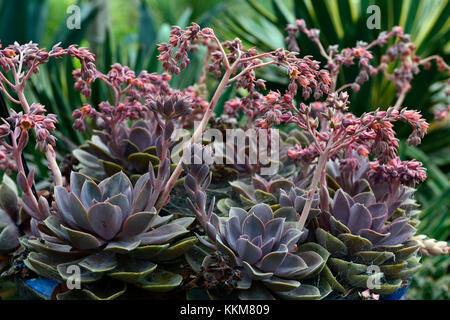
[
  {"x": 96, "y": 159},
  {"x": 127, "y": 221}
]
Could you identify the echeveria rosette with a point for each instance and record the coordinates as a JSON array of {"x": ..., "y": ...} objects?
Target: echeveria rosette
[
  {"x": 132, "y": 154},
  {"x": 255, "y": 190},
  {"x": 261, "y": 190},
  {"x": 360, "y": 232},
  {"x": 263, "y": 244},
  {"x": 108, "y": 230}
]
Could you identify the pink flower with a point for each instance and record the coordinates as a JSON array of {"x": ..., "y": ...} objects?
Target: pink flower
[{"x": 272, "y": 97}]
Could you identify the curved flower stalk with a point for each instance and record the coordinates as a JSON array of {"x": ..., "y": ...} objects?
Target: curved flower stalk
[
  {"x": 259, "y": 243},
  {"x": 343, "y": 132},
  {"x": 22, "y": 61},
  {"x": 108, "y": 229},
  {"x": 332, "y": 129}
]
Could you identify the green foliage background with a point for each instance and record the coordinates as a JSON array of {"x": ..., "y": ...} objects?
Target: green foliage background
[{"x": 128, "y": 31}]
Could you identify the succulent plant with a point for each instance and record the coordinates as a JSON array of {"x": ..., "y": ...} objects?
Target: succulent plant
[
  {"x": 97, "y": 158},
  {"x": 228, "y": 169},
  {"x": 397, "y": 197},
  {"x": 363, "y": 237},
  {"x": 9, "y": 234},
  {"x": 255, "y": 190},
  {"x": 276, "y": 192},
  {"x": 136, "y": 149},
  {"x": 259, "y": 243},
  {"x": 108, "y": 229},
  {"x": 258, "y": 189},
  {"x": 264, "y": 244},
  {"x": 430, "y": 247}
]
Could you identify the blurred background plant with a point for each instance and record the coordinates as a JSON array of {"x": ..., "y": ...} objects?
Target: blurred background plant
[{"x": 128, "y": 31}]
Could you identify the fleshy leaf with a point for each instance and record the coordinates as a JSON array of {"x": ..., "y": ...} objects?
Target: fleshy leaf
[
  {"x": 99, "y": 262},
  {"x": 136, "y": 224},
  {"x": 303, "y": 292},
  {"x": 105, "y": 220},
  {"x": 160, "y": 281},
  {"x": 82, "y": 240},
  {"x": 163, "y": 234}
]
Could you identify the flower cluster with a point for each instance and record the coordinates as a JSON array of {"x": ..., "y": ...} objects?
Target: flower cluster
[
  {"x": 21, "y": 62},
  {"x": 371, "y": 133},
  {"x": 42, "y": 124},
  {"x": 132, "y": 95},
  {"x": 181, "y": 39},
  {"x": 303, "y": 72},
  {"x": 441, "y": 114},
  {"x": 252, "y": 106},
  {"x": 402, "y": 51},
  {"x": 29, "y": 56},
  {"x": 408, "y": 173}
]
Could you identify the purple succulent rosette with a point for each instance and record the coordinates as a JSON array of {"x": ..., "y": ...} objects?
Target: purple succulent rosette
[
  {"x": 276, "y": 192},
  {"x": 257, "y": 189},
  {"x": 263, "y": 244},
  {"x": 112, "y": 233}
]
